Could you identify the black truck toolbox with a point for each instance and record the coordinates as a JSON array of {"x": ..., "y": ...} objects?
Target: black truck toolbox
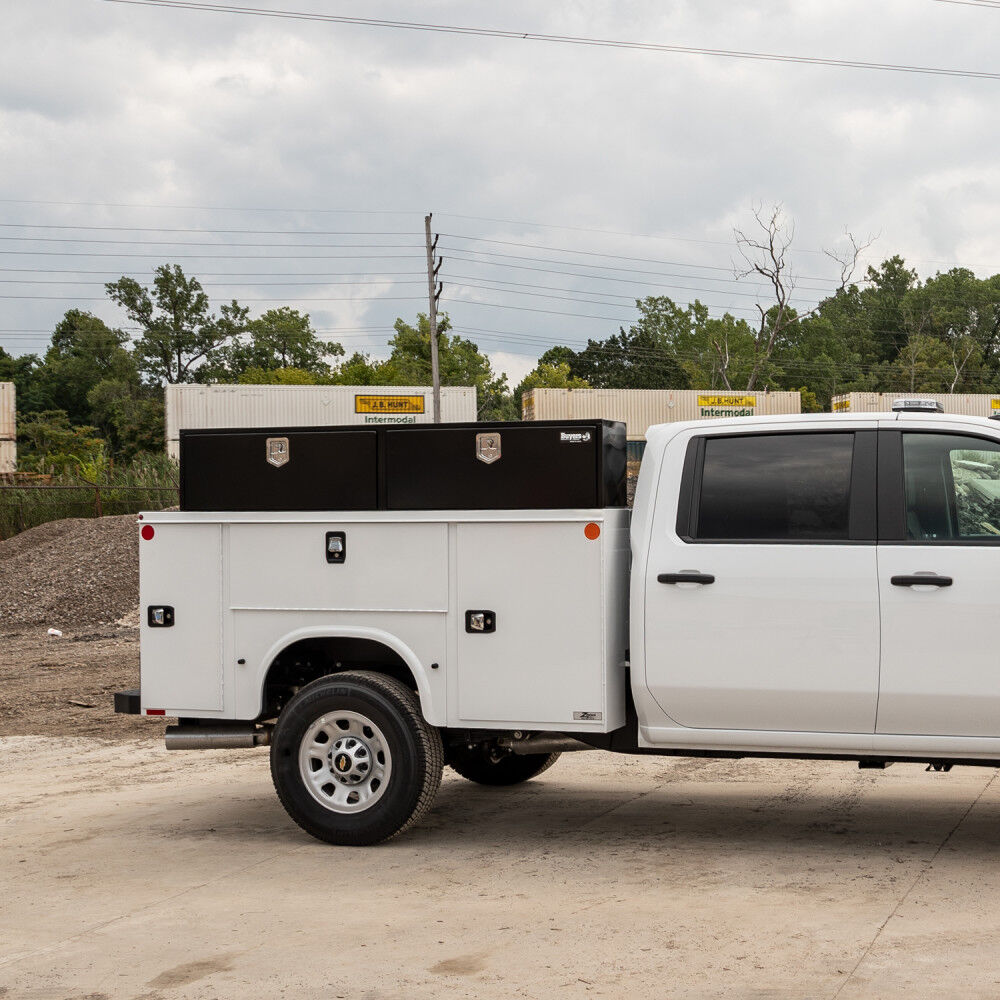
[
  {"x": 536, "y": 465},
  {"x": 294, "y": 468}
]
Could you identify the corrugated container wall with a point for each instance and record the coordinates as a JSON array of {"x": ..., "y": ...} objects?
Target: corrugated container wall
[
  {"x": 207, "y": 406},
  {"x": 972, "y": 404},
  {"x": 640, "y": 409},
  {"x": 8, "y": 429}
]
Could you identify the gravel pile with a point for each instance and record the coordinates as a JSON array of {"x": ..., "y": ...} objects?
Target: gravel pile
[{"x": 70, "y": 575}]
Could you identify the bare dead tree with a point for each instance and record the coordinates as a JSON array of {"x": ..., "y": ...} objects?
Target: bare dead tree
[{"x": 765, "y": 252}]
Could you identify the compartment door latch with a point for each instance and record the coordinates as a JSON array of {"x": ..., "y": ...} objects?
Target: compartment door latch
[
  {"x": 480, "y": 621},
  {"x": 336, "y": 546}
]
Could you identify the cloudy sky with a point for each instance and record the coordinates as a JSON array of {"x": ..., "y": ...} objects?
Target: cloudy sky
[{"x": 287, "y": 161}]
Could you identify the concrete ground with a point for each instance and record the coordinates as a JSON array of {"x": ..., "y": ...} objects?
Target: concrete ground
[{"x": 129, "y": 872}]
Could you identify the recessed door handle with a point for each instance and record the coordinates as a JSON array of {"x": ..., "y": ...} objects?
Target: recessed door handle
[
  {"x": 921, "y": 580},
  {"x": 685, "y": 578}
]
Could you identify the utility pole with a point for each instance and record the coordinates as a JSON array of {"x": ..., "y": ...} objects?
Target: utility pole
[{"x": 433, "y": 293}]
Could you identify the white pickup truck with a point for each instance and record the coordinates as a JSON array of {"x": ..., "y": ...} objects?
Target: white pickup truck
[{"x": 819, "y": 586}]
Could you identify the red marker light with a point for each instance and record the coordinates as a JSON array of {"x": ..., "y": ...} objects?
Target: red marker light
[
  {"x": 156, "y": 711},
  {"x": 147, "y": 531},
  {"x": 592, "y": 531}
]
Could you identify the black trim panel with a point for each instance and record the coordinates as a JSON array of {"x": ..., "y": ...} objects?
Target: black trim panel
[
  {"x": 128, "y": 702},
  {"x": 891, "y": 514}
]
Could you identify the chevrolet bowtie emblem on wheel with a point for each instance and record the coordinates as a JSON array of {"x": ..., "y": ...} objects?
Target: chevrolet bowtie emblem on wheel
[
  {"x": 488, "y": 448},
  {"x": 277, "y": 452}
]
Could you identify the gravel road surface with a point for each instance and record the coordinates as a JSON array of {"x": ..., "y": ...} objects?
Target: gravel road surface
[{"x": 130, "y": 872}]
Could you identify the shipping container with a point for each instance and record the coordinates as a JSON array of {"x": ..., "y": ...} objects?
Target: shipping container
[
  {"x": 8, "y": 429},
  {"x": 199, "y": 407},
  {"x": 971, "y": 404},
  {"x": 640, "y": 409}
]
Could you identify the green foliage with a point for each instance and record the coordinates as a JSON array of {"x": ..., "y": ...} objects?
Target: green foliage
[
  {"x": 280, "y": 376},
  {"x": 548, "y": 376},
  {"x": 148, "y": 482},
  {"x": 131, "y": 421},
  {"x": 178, "y": 330},
  {"x": 460, "y": 363},
  {"x": 279, "y": 339},
  {"x": 84, "y": 351},
  {"x": 362, "y": 369},
  {"x": 48, "y": 443},
  {"x": 647, "y": 356}
]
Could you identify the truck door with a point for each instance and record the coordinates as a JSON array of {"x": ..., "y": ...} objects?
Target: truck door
[
  {"x": 939, "y": 576},
  {"x": 761, "y": 598}
]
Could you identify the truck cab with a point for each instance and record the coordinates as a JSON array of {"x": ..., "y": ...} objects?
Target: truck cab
[{"x": 844, "y": 586}]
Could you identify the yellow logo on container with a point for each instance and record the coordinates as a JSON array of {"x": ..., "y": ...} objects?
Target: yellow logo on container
[
  {"x": 389, "y": 404},
  {"x": 842, "y": 404},
  {"x": 727, "y": 400},
  {"x": 995, "y": 404}
]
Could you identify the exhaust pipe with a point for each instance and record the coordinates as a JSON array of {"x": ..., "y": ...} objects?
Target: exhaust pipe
[
  {"x": 215, "y": 738},
  {"x": 543, "y": 744}
]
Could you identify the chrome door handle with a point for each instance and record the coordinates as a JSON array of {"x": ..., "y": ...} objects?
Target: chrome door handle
[
  {"x": 921, "y": 580},
  {"x": 685, "y": 578}
]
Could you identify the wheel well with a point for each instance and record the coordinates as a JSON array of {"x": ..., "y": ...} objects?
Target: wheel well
[{"x": 318, "y": 656}]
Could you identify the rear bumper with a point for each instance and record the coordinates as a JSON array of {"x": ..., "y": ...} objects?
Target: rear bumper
[{"x": 127, "y": 702}]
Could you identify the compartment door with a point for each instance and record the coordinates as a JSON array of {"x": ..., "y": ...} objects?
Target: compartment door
[
  {"x": 544, "y": 660},
  {"x": 181, "y": 666}
]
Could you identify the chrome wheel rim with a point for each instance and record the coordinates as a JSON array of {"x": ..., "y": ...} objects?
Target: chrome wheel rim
[{"x": 345, "y": 762}]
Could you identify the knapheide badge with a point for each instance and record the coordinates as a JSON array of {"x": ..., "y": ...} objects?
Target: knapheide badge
[{"x": 488, "y": 447}]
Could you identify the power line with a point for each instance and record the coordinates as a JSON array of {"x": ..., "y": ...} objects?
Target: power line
[
  {"x": 207, "y": 232},
  {"x": 187, "y": 243},
  {"x": 577, "y": 40}
]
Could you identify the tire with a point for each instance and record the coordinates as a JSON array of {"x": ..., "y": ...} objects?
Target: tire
[
  {"x": 487, "y": 765},
  {"x": 381, "y": 771}
]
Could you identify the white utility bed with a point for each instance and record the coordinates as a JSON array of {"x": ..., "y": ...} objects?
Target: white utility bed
[{"x": 246, "y": 586}]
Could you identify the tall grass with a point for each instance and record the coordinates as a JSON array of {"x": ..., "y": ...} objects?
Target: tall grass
[{"x": 148, "y": 482}]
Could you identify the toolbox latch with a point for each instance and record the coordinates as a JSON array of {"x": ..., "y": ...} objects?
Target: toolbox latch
[{"x": 480, "y": 621}]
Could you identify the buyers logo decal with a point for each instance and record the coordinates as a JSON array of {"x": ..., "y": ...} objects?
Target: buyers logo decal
[
  {"x": 277, "y": 452},
  {"x": 488, "y": 448},
  {"x": 581, "y": 438}
]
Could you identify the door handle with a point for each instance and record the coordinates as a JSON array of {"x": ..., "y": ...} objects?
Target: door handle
[
  {"x": 685, "y": 578},
  {"x": 921, "y": 580}
]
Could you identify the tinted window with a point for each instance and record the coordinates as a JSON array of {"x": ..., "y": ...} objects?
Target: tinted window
[
  {"x": 952, "y": 487},
  {"x": 777, "y": 486}
]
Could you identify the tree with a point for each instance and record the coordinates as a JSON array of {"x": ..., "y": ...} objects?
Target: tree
[
  {"x": 547, "y": 376},
  {"x": 49, "y": 443},
  {"x": 280, "y": 376},
  {"x": 962, "y": 312},
  {"x": 923, "y": 365},
  {"x": 130, "y": 421},
  {"x": 636, "y": 359},
  {"x": 363, "y": 369},
  {"x": 83, "y": 352},
  {"x": 459, "y": 360},
  {"x": 280, "y": 338},
  {"x": 23, "y": 371},
  {"x": 178, "y": 329},
  {"x": 765, "y": 253}
]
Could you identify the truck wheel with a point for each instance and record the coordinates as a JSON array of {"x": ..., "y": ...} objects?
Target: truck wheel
[
  {"x": 352, "y": 759},
  {"x": 487, "y": 764}
]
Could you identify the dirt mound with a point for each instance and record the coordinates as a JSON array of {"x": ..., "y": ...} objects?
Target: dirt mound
[{"x": 74, "y": 574}]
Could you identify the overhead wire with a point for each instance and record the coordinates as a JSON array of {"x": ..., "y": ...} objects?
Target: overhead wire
[{"x": 561, "y": 39}]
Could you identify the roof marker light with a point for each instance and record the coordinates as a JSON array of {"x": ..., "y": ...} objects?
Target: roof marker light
[{"x": 916, "y": 406}]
